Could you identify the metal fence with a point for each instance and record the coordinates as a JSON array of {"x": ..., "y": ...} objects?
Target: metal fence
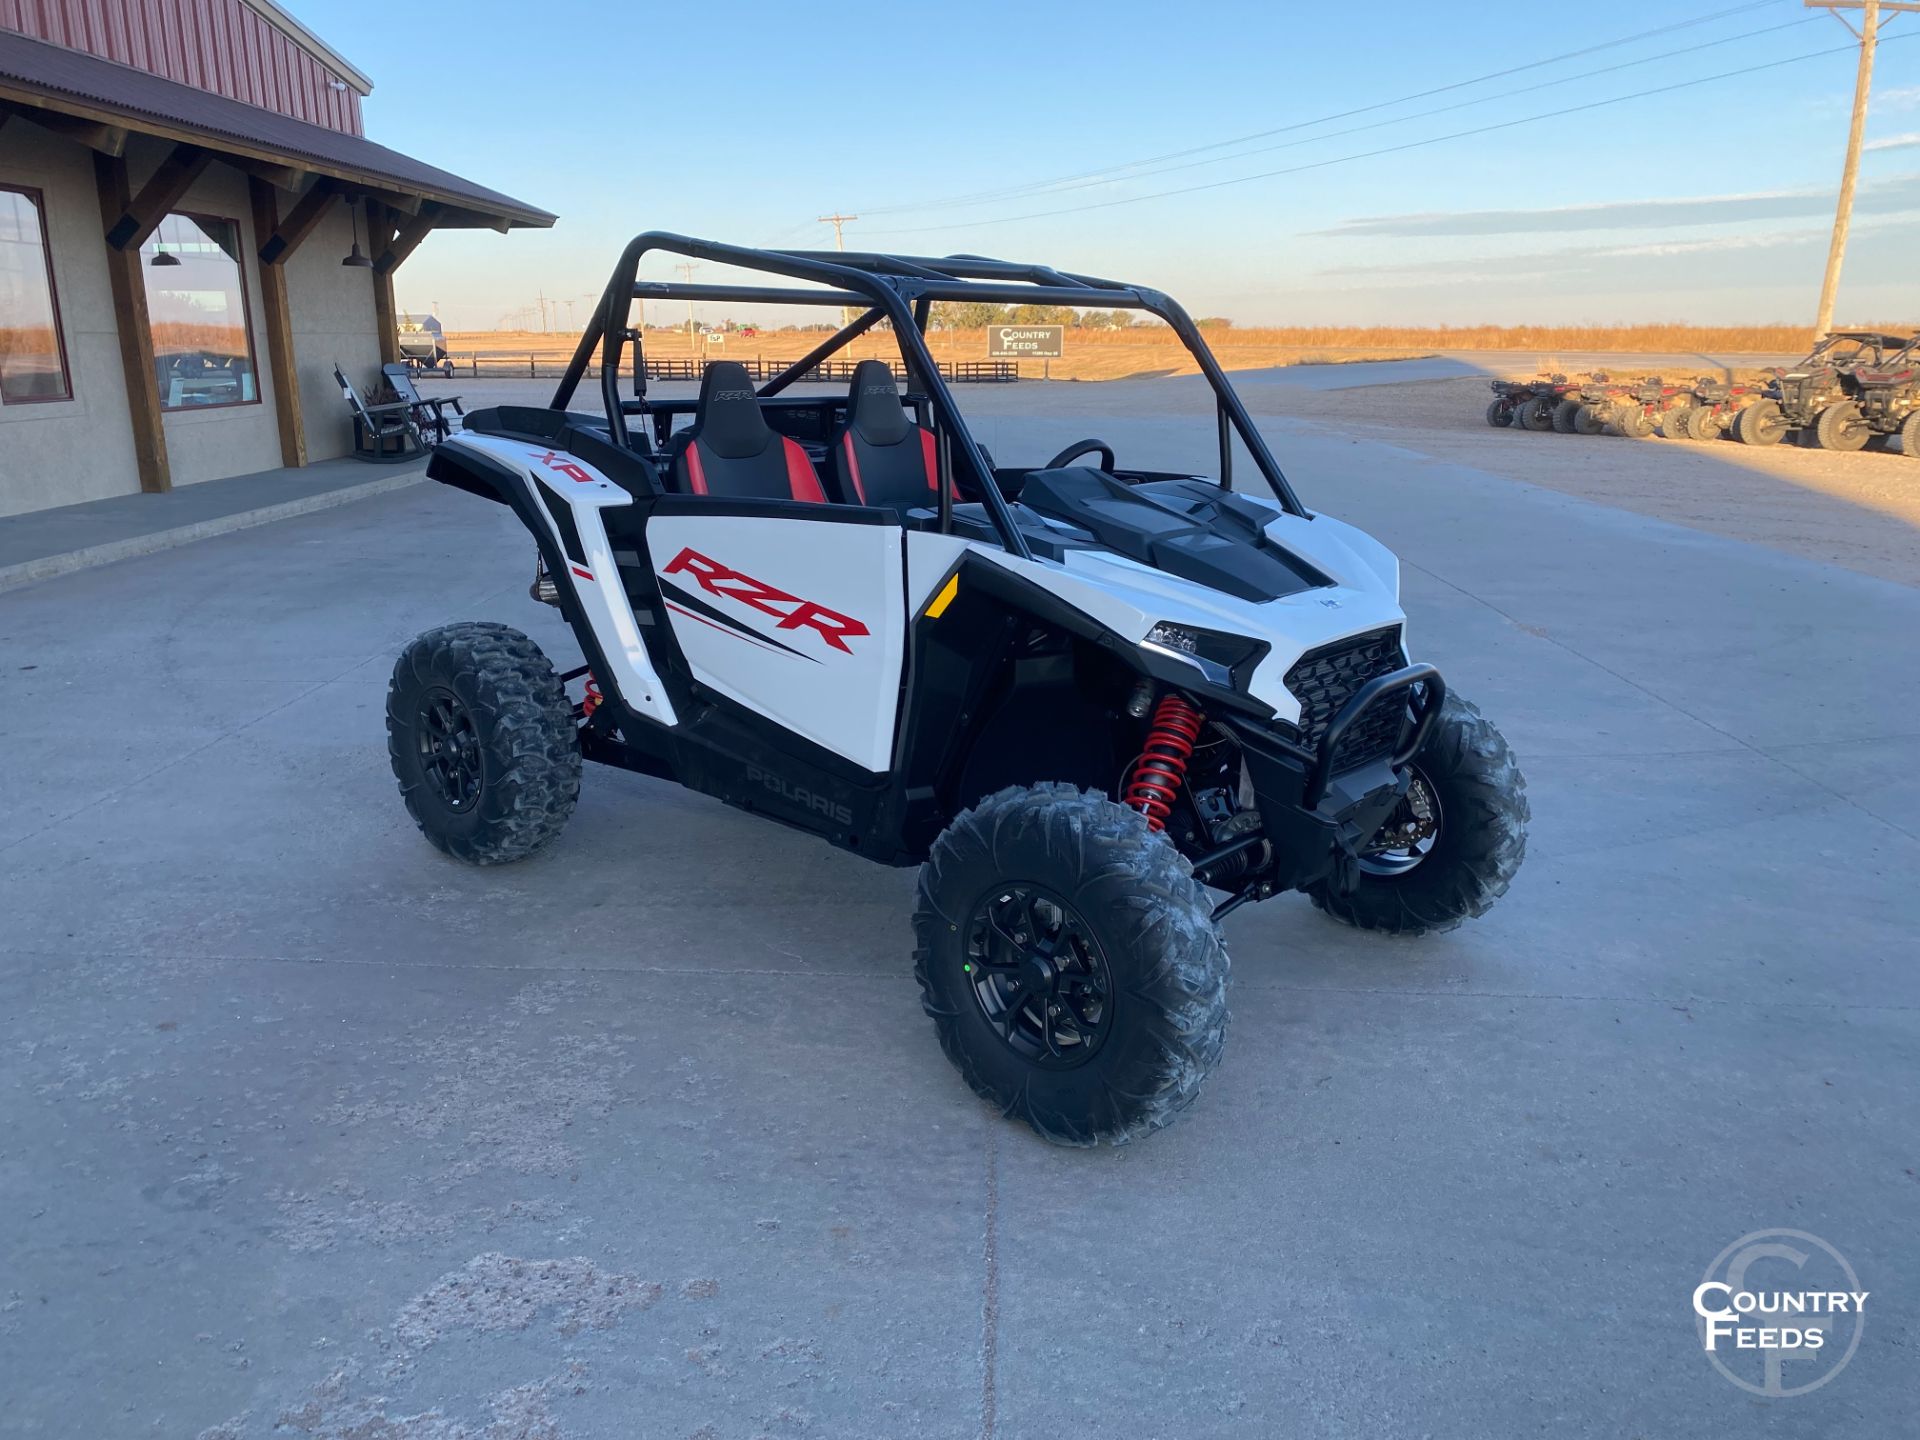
[{"x": 508, "y": 364}]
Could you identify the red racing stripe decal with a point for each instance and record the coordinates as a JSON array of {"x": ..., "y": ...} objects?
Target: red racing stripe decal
[{"x": 583, "y": 574}]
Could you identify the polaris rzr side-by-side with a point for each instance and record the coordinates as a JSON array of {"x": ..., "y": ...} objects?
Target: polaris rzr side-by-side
[
  {"x": 1798, "y": 397},
  {"x": 1885, "y": 402},
  {"x": 1077, "y": 694}
]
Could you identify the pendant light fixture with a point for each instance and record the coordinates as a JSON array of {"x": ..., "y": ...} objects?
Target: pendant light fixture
[
  {"x": 355, "y": 259},
  {"x": 161, "y": 257}
]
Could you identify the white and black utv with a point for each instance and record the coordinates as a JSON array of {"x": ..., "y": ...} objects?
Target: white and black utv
[{"x": 1079, "y": 696}]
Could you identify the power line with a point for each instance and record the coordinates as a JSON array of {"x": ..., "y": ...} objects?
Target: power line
[
  {"x": 1113, "y": 170},
  {"x": 1440, "y": 109},
  {"x": 1387, "y": 149}
]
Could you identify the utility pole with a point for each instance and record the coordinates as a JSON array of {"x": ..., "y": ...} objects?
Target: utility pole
[
  {"x": 836, "y": 220},
  {"x": 686, "y": 268},
  {"x": 1869, "y": 36}
]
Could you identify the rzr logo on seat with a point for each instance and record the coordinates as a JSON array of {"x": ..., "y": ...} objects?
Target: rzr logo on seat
[{"x": 793, "y": 612}]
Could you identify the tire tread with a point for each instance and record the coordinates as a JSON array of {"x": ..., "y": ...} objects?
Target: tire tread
[
  {"x": 1167, "y": 917},
  {"x": 1467, "y": 749},
  {"x": 533, "y": 750}
]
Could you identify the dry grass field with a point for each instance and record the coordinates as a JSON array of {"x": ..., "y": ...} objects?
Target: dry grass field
[{"x": 1146, "y": 351}]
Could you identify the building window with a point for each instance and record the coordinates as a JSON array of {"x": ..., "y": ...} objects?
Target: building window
[
  {"x": 197, "y": 307},
  {"x": 33, "y": 357}
]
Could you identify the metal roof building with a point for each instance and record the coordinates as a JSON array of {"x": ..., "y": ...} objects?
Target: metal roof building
[{"x": 180, "y": 181}]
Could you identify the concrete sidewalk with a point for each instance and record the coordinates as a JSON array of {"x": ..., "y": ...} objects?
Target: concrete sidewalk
[{"x": 44, "y": 543}]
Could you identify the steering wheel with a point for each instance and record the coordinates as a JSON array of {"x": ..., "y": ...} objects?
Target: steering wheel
[{"x": 1082, "y": 447}]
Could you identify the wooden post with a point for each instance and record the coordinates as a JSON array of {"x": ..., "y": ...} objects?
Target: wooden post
[
  {"x": 163, "y": 190},
  {"x": 408, "y": 238},
  {"x": 306, "y": 213},
  {"x": 379, "y": 241},
  {"x": 136, "y": 332},
  {"x": 277, "y": 313}
]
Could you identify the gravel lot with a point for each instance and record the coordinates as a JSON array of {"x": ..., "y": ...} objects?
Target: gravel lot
[{"x": 306, "y": 1130}]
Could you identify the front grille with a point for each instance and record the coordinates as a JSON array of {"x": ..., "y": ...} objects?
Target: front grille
[{"x": 1323, "y": 680}]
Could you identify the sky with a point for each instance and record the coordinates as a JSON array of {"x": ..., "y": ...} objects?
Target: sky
[{"x": 1055, "y": 132}]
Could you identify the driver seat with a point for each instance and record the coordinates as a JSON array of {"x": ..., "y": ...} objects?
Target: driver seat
[
  {"x": 730, "y": 450},
  {"x": 883, "y": 458}
]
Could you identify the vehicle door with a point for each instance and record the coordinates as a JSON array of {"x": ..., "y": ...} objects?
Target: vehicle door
[{"x": 795, "y": 611}]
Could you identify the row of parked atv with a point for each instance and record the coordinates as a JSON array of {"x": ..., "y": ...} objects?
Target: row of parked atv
[{"x": 1856, "y": 388}]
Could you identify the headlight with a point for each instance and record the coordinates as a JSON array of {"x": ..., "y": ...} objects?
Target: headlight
[{"x": 1215, "y": 655}]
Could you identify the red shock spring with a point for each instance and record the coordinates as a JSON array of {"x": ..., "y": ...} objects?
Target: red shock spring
[
  {"x": 592, "y": 700},
  {"x": 1162, "y": 767}
]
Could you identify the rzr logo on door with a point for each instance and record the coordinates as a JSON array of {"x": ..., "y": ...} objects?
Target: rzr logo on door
[{"x": 792, "y": 612}]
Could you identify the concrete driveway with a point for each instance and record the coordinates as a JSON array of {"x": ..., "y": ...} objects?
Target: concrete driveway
[{"x": 306, "y": 1130}]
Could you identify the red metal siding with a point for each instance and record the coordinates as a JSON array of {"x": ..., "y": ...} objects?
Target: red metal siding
[{"x": 225, "y": 46}]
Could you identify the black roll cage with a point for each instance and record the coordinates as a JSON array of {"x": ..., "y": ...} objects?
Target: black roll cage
[{"x": 900, "y": 289}]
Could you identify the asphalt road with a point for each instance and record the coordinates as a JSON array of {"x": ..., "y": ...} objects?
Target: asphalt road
[{"x": 306, "y": 1130}]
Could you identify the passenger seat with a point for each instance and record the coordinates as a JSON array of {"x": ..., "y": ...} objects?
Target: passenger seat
[
  {"x": 882, "y": 457},
  {"x": 731, "y": 451}
]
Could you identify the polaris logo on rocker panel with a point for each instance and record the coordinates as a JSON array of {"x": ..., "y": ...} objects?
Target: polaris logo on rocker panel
[
  {"x": 792, "y": 612},
  {"x": 798, "y": 795}
]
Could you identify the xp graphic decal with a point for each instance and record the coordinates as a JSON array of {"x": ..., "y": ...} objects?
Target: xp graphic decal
[
  {"x": 552, "y": 461},
  {"x": 723, "y": 581}
]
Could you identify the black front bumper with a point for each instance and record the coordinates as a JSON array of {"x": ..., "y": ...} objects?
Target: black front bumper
[{"x": 1316, "y": 815}]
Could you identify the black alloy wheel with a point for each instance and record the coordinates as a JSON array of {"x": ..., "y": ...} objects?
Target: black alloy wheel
[
  {"x": 483, "y": 742},
  {"x": 450, "y": 753},
  {"x": 1038, "y": 975}
]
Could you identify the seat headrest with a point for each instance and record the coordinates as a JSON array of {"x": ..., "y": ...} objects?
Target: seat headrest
[
  {"x": 729, "y": 417},
  {"x": 873, "y": 405}
]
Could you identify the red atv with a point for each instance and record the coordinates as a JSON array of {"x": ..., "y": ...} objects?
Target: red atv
[
  {"x": 1716, "y": 406},
  {"x": 1645, "y": 406},
  {"x": 1526, "y": 404}
]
